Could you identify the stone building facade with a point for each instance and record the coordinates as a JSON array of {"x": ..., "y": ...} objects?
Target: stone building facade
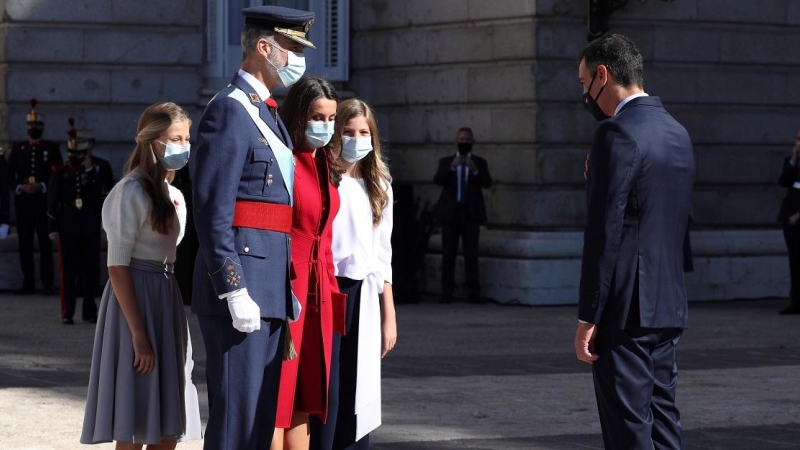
[{"x": 507, "y": 68}]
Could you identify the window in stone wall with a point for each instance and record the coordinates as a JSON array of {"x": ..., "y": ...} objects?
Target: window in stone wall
[{"x": 330, "y": 34}]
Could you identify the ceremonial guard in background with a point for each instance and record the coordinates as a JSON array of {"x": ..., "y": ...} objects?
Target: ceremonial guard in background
[
  {"x": 74, "y": 206},
  {"x": 31, "y": 165}
]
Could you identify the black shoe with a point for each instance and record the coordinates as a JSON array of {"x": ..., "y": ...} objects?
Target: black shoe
[
  {"x": 790, "y": 310},
  {"x": 68, "y": 321},
  {"x": 475, "y": 299},
  {"x": 446, "y": 299},
  {"x": 24, "y": 291},
  {"x": 49, "y": 291},
  {"x": 90, "y": 319}
]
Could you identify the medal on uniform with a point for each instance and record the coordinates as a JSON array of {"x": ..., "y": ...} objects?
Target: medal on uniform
[
  {"x": 79, "y": 203},
  {"x": 31, "y": 179},
  {"x": 269, "y": 180}
]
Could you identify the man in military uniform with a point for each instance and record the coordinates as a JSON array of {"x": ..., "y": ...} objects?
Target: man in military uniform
[
  {"x": 106, "y": 177},
  {"x": 244, "y": 169},
  {"x": 31, "y": 165},
  {"x": 74, "y": 207}
]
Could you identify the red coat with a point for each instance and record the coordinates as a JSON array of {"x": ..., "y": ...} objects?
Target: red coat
[{"x": 302, "y": 388}]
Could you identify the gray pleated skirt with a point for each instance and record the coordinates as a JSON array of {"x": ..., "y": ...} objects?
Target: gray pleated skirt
[{"x": 122, "y": 405}]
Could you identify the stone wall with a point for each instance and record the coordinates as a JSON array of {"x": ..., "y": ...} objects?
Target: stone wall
[
  {"x": 99, "y": 61},
  {"x": 508, "y": 69}
]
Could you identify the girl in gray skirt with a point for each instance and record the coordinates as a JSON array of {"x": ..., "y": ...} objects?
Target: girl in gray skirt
[{"x": 140, "y": 387}]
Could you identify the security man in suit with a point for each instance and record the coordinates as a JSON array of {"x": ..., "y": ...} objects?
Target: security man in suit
[
  {"x": 74, "y": 207},
  {"x": 461, "y": 210},
  {"x": 632, "y": 305},
  {"x": 31, "y": 165},
  {"x": 242, "y": 193}
]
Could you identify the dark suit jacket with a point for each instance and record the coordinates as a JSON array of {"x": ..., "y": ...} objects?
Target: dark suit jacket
[
  {"x": 639, "y": 190},
  {"x": 447, "y": 178},
  {"x": 232, "y": 162},
  {"x": 791, "y": 202}
]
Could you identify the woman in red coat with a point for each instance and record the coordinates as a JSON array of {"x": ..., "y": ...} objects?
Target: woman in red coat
[{"x": 309, "y": 112}]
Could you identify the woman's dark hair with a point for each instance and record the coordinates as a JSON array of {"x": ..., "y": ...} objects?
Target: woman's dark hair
[
  {"x": 294, "y": 114},
  {"x": 619, "y": 55}
]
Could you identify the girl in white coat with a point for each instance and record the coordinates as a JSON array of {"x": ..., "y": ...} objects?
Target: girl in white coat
[{"x": 362, "y": 255}]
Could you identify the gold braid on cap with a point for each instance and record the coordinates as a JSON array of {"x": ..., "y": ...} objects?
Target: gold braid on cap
[
  {"x": 72, "y": 142},
  {"x": 300, "y": 34},
  {"x": 32, "y": 116}
]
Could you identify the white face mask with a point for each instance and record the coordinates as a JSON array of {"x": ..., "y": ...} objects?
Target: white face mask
[
  {"x": 354, "y": 149},
  {"x": 318, "y": 133},
  {"x": 175, "y": 155},
  {"x": 293, "y": 70}
]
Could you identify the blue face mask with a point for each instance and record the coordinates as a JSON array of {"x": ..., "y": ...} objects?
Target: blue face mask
[
  {"x": 175, "y": 156},
  {"x": 293, "y": 70},
  {"x": 318, "y": 133},
  {"x": 354, "y": 149}
]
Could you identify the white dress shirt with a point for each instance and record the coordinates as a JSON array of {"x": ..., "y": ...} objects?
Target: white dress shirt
[
  {"x": 260, "y": 88},
  {"x": 627, "y": 99}
]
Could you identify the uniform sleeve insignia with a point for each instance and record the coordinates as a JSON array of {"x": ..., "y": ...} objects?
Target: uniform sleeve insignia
[{"x": 233, "y": 278}]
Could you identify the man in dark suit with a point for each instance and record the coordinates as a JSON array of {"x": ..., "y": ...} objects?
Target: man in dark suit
[
  {"x": 242, "y": 194},
  {"x": 461, "y": 210},
  {"x": 632, "y": 305},
  {"x": 30, "y": 166}
]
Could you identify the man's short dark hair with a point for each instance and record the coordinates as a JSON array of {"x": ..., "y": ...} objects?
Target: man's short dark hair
[
  {"x": 619, "y": 54},
  {"x": 467, "y": 129},
  {"x": 250, "y": 36}
]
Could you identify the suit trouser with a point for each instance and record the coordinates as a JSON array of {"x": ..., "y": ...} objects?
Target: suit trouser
[
  {"x": 79, "y": 259},
  {"x": 635, "y": 379},
  {"x": 243, "y": 372},
  {"x": 461, "y": 227},
  {"x": 31, "y": 212},
  {"x": 791, "y": 234},
  {"x": 339, "y": 432}
]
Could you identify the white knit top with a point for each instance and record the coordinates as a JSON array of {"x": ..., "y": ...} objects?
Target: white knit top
[{"x": 126, "y": 220}]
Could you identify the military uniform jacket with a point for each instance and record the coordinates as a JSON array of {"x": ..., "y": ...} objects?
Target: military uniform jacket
[
  {"x": 74, "y": 201},
  {"x": 105, "y": 174},
  {"x": 233, "y": 161},
  {"x": 33, "y": 162}
]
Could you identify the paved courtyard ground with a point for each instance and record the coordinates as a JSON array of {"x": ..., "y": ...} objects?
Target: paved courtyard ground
[{"x": 463, "y": 376}]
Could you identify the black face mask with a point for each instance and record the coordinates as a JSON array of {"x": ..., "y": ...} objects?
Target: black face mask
[
  {"x": 591, "y": 103},
  {"x": 75, "y": 160},
  {"x": 35, "y": 133},
  {"x": 464, "y": 148}
]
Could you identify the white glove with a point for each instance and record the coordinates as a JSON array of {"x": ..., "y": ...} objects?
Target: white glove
[
  {"x": 3, "y": 231},
  {"x": 245, "y": 312}
]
